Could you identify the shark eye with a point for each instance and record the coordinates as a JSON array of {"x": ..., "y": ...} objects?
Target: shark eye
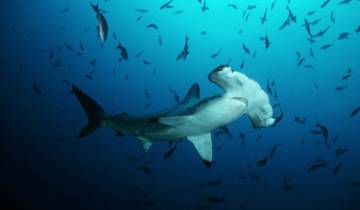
[{"x": 220, "y": 68}]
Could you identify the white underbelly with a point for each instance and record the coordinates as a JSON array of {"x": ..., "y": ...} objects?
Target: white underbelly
[{"x": 210, "y": 117}]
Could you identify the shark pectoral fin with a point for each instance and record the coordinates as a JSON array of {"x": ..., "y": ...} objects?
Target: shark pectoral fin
[
  {"x": 174, "y": 121},
  {"x": 145, "y": 142},
  {"x": 203, "y": 146}
]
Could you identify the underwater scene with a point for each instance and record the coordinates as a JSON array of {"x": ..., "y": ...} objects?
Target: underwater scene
[{"x": 180, "y": 104}]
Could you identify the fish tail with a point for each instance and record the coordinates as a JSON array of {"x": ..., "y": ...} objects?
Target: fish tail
[
  {"x": 95, "y": 7},
  {"x": 94, "y": 112}
]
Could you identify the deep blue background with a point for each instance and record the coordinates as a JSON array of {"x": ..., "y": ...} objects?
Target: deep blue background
[{"x": 95, "y": 173}]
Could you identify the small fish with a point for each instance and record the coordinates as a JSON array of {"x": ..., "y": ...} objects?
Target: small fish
[
  {"x": 264, "y": 17},
  {"x": 141, "y": 10},
  {"x": 300, "y": 61},
  {"x": 223, "y": 130},
  {"x": 332, "y": 18},
  {"x": 286, "y": 185},
  {"x": 232, "y": 6},
  {"x": 89, "y": 77},
  {"x": 246, "y": 50},
  {"x": 344, "y": 2},
  {"x": 147, "y": 106},
  {"x": 326, "y": 2},
  {"x": 299, "y": 120},
  {"x": 146, "y": 62},
  {"x": 273, "y": 4},
  {"x": 319, "y": 163},
  {"x": 316, "y": 86},
  {"x": 65, "y": 10},
  {"x": 160, "y": 41},
  {"x": 169, "y": 153},
  {"x": 242, "y": 139},
  {"x": 325, "y": 47},
  {"x": 344, "y": 35},
  {"x": 307, "y": 27},
  {"x": 357, "y": 30},
  {"x": 69, "y": 47},
  {"x": 321, "y": 32},
  {"x": 216, "y": 54},
  {"x": 146, "y": 169},
  {"x": 337, "y": 169},
  {"x": 57, "y": 63},
  {"x": 262, "y": 163},
  {"x": 251, "y": 7},
  {"x": 273, "y": 151},
  {"x": 214, "y": 183},
  {"x": 204, "y": 7},
  {"x": 139, "y": 54},
  {"x": 315, "y": 22},
  {"x": 324, "y": 132},
  {"x": 178, "y": 12},
  {"x": 355, "y": 112},
  {"x": 152, "y": 25},
  {"x": 355, "y": 184},
  {"x": 340, "y": 88},
  {"x": 242, "y": 65},
  {"x": 167, "y": 5},
  {"x": 341, "y": 151},
  {"x": 123, "y": 52},
  {"x": 36, "y": 89},
  {"x": 147, "y": 93},
  {"x": 185, "y": 52},
  {"x": 336, "y": 138},
  {"x": 254, "y": 178}
]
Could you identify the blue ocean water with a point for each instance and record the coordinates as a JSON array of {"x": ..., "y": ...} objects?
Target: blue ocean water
[{"x": 45, "y": 165}]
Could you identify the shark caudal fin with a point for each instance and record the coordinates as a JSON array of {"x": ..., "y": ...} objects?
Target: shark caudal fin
[{"x": 93, "y": 111}]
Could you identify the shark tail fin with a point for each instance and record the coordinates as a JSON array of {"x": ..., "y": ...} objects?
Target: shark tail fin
[{"x": 93, "y": 111}]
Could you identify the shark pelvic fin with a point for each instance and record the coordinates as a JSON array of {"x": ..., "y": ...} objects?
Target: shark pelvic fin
[
  {"x": 193, "y": 93},
  {"x": 203, "y": 145},
  {"x": 145, "y": 142}
]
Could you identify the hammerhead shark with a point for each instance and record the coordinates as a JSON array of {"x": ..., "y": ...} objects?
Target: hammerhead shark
[{"x": 193, "y": 118}]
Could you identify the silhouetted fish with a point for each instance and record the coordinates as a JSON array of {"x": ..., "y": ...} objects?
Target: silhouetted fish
[
  {"x": 36, "y": 89},
  {"x": 326, "y": 2},
  {"x": 246, "y": 50},
  {"x": 167, "y": 5},
  {"x": 152, "y": 25},
  {"x": 355, "y": 112},
  {"x": 337, "y": 169},
  {"x": 185, "y": 52},
  {"x": 286, "y": 185},
  {"x": 262, "y": 162},
  {"x": 319, "y": 163},
  {"x": 123, "y": 52},
  {"x": 341, "y": 151},
  {"x": 169, "y": 153}
]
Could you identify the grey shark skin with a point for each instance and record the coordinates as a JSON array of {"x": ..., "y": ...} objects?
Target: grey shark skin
[
  {"x": 193, "y": 118},
  {"x": 102, "y": 27}
]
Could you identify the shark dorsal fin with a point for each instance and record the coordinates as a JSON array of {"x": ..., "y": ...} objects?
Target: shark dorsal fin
[
  {"x": 203, "y": 145},
  {"x": 193, "y": 93}
]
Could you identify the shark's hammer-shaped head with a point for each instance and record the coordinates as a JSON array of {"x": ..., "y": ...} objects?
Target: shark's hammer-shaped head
[{"x": 236, "y": 84}]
